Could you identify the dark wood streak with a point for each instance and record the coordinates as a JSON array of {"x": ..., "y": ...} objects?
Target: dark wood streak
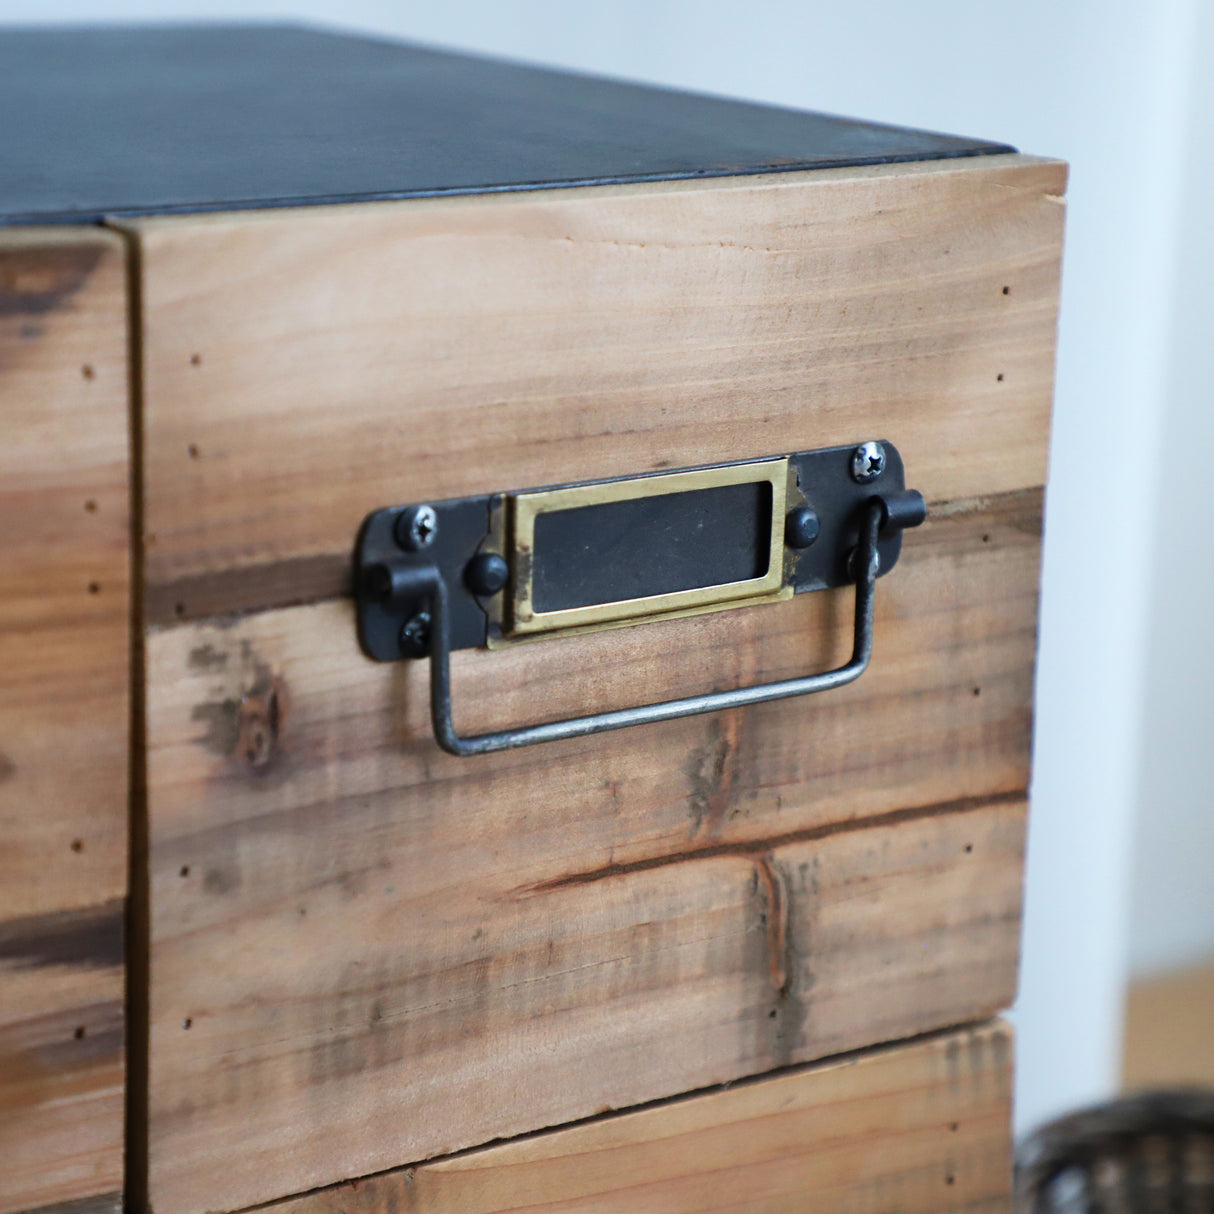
[
  {"x": 757, "y": 848},
  {"x": 55, "y": 1043},
  {"x": 302, "y": 580},
  {"x": 85, "y": 939},
  {"x": 38, "y": 279},
  {"x": 288, "y": 583},
  {"x": 776, "y": 891},
  {"x": 102, "y": 1203}
]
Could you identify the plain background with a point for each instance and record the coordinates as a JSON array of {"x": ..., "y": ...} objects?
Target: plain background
[{"x": 1120, "y": 872}]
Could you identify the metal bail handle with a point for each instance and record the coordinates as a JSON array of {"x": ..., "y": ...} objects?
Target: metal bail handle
[{"x": 426, "y": 581}]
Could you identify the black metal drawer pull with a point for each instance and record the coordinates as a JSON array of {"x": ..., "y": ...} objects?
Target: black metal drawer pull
[{"x": 767, "y": 519}]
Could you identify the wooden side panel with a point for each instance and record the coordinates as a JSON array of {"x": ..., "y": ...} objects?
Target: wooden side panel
[
  {"x": 364, "y": 951},
  {"x": 64, "y": 637},
  {"x": 915, "y": 1128},
  {"x": 303, "y": 368}
]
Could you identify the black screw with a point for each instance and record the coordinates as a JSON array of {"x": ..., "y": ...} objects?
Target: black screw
[
  {"x": 486, "y": 573},
  {"x": 416, "y": 528},
  {"x": 415, "y": 635},
  {"x": 867, "y": 462},
  {"x": 801, "y": 527}
]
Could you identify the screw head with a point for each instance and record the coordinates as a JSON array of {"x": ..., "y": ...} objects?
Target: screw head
[
  {"x": 486, "y": 573},
  {"x": 416, "y": 528},
  {"x": 801, "y": 527},
  {"x": 867, "y": 462},
  {"x": 415, "y": 635}
]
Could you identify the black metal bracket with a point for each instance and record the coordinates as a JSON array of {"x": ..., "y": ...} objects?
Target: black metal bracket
[{"x": 435, "y": 577}]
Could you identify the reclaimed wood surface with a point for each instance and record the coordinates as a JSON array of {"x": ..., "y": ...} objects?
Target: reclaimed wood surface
[
  {"x": 364, "y": 951},
  {"x": 304, "y": 367},
  {"x": 64, "y": 638},
  {"x": 916, "y": 1128},
  {"x": 336, "y": 992}
]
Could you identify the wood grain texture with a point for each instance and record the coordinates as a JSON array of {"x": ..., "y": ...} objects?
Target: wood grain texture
[
  {"x": 61, "y": 1057},
  {"x": 401, "y": 1010},
  {"x": 302, "y": 368},
  {"x": 64, "y": 638},
  {"x": 103, "y": 1203},
  {"x": 916, "y": 1128},
  {"x": 64, "y": 597}
]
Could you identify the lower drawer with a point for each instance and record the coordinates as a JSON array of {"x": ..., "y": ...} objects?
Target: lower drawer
[{"x": 919, "y": 1127}]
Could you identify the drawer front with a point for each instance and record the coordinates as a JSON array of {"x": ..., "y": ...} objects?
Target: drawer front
[
  {"x": 64, "y": 644},
  {"x": 916, "y": 1128},
  {"x": 365, "y": 952}
]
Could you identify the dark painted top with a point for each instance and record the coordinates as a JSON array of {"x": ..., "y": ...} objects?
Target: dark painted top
[{"x": 138, "y": 120}]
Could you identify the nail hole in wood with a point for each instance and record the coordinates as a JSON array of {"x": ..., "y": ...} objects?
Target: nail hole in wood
[
  {"x": 969, "y": 847},
  {"x": 999, "y": 377},
  {"x": 1007, "y": 290},
  {"x": 88, "y": 372},
  {"x": 185, "y": 1024},
  {"x": 91, "y": 505},
  {"x": 193, "y": 450},
  {"x": 94, "y": 587},
  {"x": 986, "y": 539},
  {"x": 977, "y": 691},
  {"x": 195, "y": 360},
  {"x": 954, "y": 1126},
  {"x": 79, "y": 1033},
  {"x": 950, "y": 1179},
  {"x": 77, "y": 845},
  {"x": 179, "y": 609},
  {"x": 185, "y": 870}
]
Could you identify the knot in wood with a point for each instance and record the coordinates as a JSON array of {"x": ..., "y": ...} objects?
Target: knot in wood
[{"x": 258, "y": 724}]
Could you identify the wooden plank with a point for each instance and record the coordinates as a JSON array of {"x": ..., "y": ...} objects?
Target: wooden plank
[
  {"x": 64, "y": 635},
  {"x": 64, "y": 599},
  {"x": 943, "y": 714},
  {"x": 916, "y": 1128},
  {"x": 1169, "y": 1029},
  {"x": 340, "y": 1018},
  {"x": 302, "y": 368},
  {"x": 61, "y": 1057}
]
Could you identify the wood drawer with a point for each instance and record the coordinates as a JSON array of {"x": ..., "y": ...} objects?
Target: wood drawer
[{"x": 351, "y": 952}]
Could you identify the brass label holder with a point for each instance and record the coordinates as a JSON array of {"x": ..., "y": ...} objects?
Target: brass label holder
[{"x": 525, "y": 565}]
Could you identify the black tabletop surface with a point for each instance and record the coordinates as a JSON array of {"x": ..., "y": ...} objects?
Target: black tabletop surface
[{"x": 143, "y": 120}]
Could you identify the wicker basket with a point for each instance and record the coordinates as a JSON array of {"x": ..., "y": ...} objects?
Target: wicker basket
[{"x": 1148, "y": 1153}]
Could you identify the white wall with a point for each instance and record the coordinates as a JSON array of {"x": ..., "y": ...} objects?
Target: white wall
[
  {"x": 1173, "y": 891},
  {"x": 1106, "y": 86}
]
